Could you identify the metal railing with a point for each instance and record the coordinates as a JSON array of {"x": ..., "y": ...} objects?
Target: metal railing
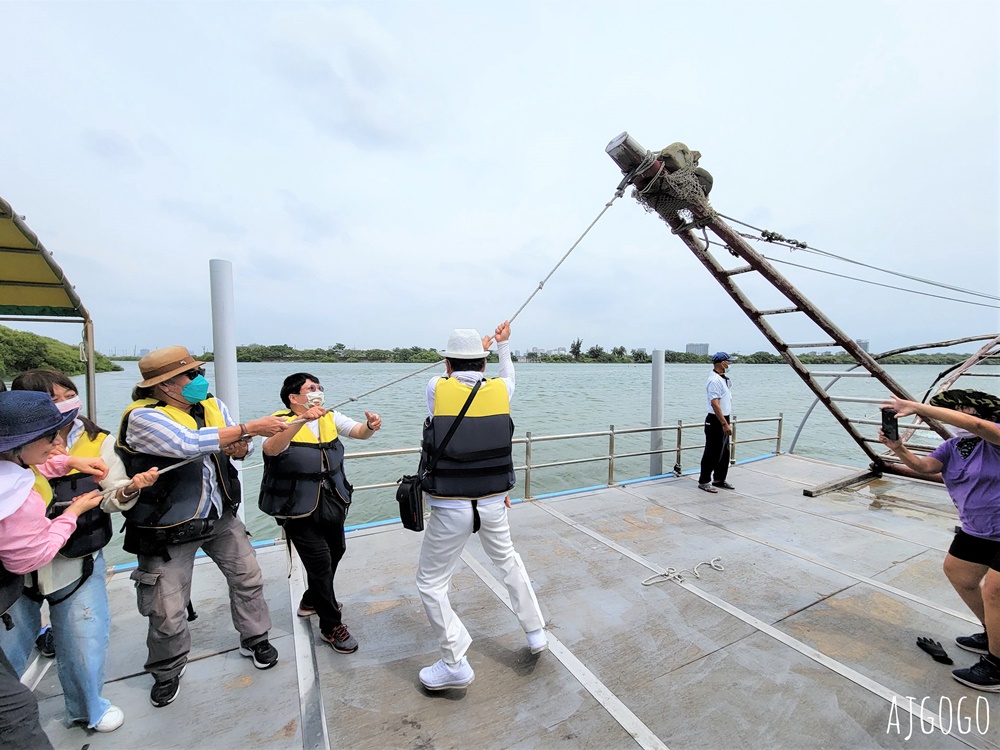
[{"x": 529, "y": 441}]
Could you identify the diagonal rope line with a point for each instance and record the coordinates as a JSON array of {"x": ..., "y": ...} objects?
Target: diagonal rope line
[{"x": 618, "y": 194}]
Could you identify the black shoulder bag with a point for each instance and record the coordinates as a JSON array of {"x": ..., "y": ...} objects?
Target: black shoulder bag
[{"x": 409, "y": 494}]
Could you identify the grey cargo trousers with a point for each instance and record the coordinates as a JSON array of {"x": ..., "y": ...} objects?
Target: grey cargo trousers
[{"x": 163, "y": 590}]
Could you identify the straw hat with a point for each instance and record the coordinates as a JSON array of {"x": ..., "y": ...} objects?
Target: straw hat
[
  {"x": 465, "y": 343},
  {"x": 163, "y": 364},
  {"x": 27, "y": 415}
]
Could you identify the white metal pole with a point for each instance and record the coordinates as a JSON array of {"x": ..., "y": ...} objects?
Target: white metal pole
[
  {"x": 224, "y": 341},
  {"x": 656, "y": 415}
]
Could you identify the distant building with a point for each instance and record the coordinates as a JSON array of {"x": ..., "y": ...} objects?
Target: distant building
[
  {"x": 863, "y": 343},
  {"x": 143, "y": 352},
  {"x": 697, "y": 349}
]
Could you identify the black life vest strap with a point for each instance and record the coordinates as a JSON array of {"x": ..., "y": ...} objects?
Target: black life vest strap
[
  {"x": 454, "y": 426},
  {"x": 36, "y": 596}
]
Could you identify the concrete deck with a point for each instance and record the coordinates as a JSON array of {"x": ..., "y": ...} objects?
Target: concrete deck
[{"x": 805, "y": 639}]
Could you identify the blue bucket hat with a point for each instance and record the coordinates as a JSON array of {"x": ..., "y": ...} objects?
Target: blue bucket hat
[
  {"x": 722, "y": 357},
  {"x": 27, "y": 415}
]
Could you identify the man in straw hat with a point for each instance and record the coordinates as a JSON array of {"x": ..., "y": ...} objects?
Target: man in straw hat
[
  {"x": 29, "y": 434},
  {"x": 469, "y": 492},
  {"x": 174, "y": 418},
  {"x": 970, "y": 468}
]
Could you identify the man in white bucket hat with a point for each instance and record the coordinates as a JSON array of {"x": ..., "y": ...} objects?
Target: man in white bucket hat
[{"x": 468, "y": 491}]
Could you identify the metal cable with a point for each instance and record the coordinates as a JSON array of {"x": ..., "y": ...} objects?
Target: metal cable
[
  {"x": 866, "y": 281},
  {"x": 775, "y": 238}
]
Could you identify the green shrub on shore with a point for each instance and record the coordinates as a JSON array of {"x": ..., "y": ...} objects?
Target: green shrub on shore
[
  {"x": 20, "y": 351},
  {"x": 594, "y": 354}
]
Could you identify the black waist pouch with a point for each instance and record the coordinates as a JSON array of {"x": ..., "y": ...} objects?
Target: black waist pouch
[{"x": 410, "y": 497}]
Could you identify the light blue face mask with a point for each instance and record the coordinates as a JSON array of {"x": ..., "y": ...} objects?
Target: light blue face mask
[{"x": 196, "y": 391}]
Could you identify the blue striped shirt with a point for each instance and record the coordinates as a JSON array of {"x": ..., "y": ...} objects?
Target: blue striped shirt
[{"x": 155, "y": 433}]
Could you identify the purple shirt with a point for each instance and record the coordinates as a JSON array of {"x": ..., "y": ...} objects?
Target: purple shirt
[{"x": 974, "y": 485}]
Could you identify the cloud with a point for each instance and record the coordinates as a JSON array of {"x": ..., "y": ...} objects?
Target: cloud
[
  {"x": 112, "y": 147},
  {"x": 206, "y": 216}
]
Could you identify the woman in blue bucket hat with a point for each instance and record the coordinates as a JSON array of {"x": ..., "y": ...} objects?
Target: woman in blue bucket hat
[{"x": 29, "y": 435}]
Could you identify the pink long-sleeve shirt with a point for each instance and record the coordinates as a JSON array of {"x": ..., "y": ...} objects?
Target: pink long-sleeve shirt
[{"x": 29, "y": 540}]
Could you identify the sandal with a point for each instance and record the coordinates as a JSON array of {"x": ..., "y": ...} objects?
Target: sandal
[
  {"x": 724, "y": 485},
  {"x": 707, "y": 488}
]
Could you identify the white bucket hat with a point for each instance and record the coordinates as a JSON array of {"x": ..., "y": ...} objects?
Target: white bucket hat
[{"x": 465, "y": 343}]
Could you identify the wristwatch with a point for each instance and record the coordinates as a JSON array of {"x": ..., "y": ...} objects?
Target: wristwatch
[{"x": 245, "y": 435}]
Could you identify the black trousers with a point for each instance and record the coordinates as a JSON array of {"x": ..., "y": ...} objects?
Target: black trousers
[
  {"x": 19, "y": 726},
  {"x": 715, "y": 459},
  {"x": 319, "y": 539}
]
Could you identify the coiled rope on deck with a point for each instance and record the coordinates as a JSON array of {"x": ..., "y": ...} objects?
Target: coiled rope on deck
[{"x": 673, "y": 574}]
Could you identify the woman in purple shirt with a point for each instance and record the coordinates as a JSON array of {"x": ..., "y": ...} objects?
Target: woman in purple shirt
[{"x": 969, "y": 464}]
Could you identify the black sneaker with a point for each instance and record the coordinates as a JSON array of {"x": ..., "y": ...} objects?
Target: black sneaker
[
  {"x": 977, "y": 644},
  {"x": 163, "y": 693},
  {"x": 46, "y": 642},
  {"x": 341, "y": 640},
  {"x": 983, "y": 675},
  {"x": 264, "y": 655}
]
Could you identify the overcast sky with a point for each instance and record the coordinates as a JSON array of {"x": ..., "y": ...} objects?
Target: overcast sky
[{"x": 381, "y": 172}]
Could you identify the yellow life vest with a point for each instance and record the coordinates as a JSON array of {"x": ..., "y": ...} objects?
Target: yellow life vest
[
  {"x": 176, "y": 498},
  {"x": 93, "y": 528},
  {"x": 42, "y": 486},
  {"x": 477, "y": 461},
  {"x": 293, "y": 480}
]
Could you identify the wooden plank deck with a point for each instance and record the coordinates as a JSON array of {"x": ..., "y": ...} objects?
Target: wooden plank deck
[{"x": 800, "y": 641}]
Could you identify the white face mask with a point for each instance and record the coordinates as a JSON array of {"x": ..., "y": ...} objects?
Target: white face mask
[
  {"x": 69, "y": 405},
  {"x": 313, "y": 398}
]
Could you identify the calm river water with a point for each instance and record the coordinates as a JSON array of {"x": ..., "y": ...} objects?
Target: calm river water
[{"x": 551, "y": 399}]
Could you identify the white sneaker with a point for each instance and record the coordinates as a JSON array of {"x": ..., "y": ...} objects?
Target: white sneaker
[
  {"x": 113, "y": 718},
  {"x": 537, "y": 641},
  {"x": 441, "y": 675}
]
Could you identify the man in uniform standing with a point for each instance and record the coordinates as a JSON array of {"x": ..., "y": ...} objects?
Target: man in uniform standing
[{"x": 718, "y": 430}]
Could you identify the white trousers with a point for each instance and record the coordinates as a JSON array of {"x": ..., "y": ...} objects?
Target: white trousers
[{"x": 447, "y": 531}]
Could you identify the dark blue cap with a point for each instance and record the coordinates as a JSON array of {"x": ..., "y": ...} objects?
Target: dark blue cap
[
  {"x": 722, "y": 357},
  {"x": 27, "y": 415}
]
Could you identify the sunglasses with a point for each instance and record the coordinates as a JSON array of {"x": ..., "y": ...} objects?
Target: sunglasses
[
  {"x": 192, "y": 374},
  {"x": 50, "y": 436}
]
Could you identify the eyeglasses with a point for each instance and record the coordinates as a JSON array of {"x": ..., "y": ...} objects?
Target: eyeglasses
[
  {"x": 50, "y": 436},
  {"x": 192, "y": 374},
  {"x": 311, "y": 389}
]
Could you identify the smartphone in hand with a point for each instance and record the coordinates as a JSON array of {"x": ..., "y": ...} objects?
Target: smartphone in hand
[{"x": 890, "y": 425}]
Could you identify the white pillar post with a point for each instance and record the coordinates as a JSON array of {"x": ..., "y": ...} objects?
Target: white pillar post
[{"x": 224, "y": 341}]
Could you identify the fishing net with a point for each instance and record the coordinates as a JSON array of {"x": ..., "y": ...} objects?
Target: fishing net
[{"x": 680, "y": 185}]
